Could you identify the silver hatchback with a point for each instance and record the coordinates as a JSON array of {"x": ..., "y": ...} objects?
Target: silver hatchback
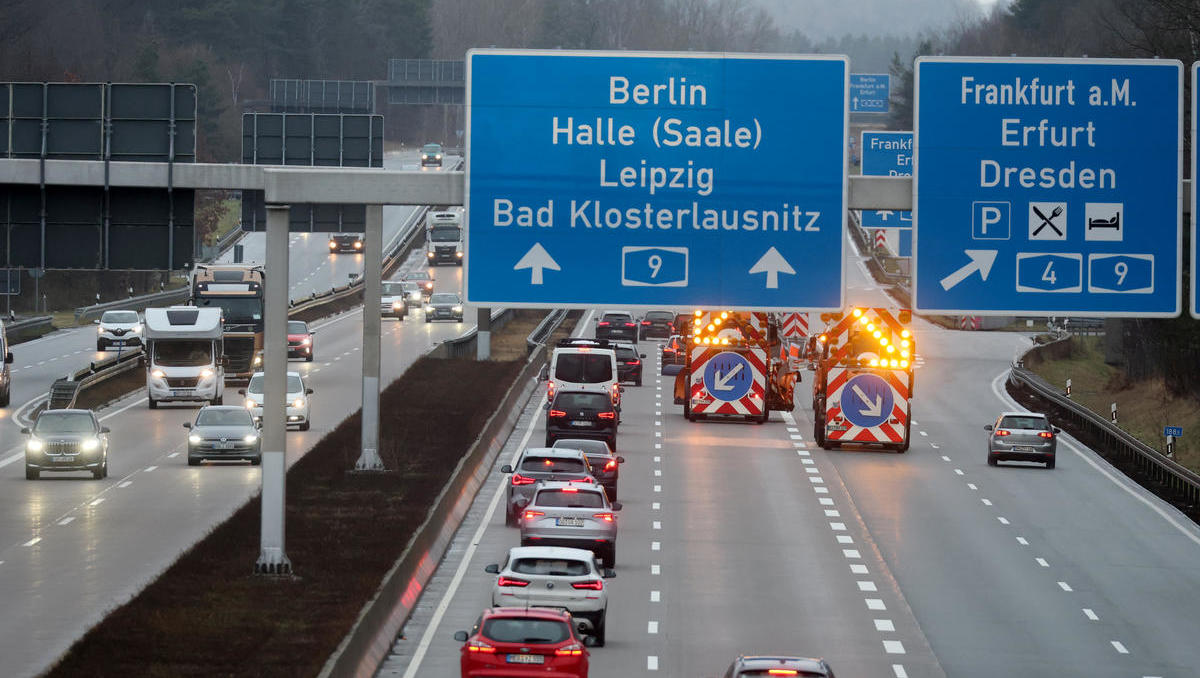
[
  {"x": 541, "y": 464},
  {"x": 576, "y": 515},
  {"x": 1022, "y": 436}
]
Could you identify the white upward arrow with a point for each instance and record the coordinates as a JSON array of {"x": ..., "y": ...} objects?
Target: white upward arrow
[
  {"x": 981, "y": 260},
  {"x": 772, "y": 263},
  {"x": 870, "y": 410},
  {"x": 723, "y": 379},
  {"x": 537, "y": 259},
  {"x": 884, "y": 214}
]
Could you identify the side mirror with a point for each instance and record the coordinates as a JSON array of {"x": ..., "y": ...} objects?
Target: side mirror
[
  {"x": 492, "y": 569},
  {"x": 8, "y": 358},
  {"x": 308, "y": 391},
  {"x": 616, "y": 506},
  {"x": 620, "y": 460},
  {"x": 96, "y": 321},
  {"x": 988, "y": 427},
  {"x": 546, "y": 406},
  {"x": 460, "y": 636},
  {"x": 241, "y": 391},
  {"x": 26, "y": 430},
  {"x": 1056, "y": 429},
  {"x": 642, "y": 354},
  {"x": 622, "y": 388},
  {"x": 506, "y": 469},
  {"x": 258, "y": 423},
  {"x": 105, "y": 429},
  {"x": 187, "y": 425},
  {"x": 608, "y": 573}
]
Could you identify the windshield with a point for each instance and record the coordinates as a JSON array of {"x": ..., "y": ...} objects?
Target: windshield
[
  {"x": 582, "y": 401},
  {"x": 626, "y": 353},
  {"x": 524, "y": 630},
  {"x": 418, "y": 275},
  {"x": 1028, "y": 423},
  {"x": 431, "y": 148},
  {"x": 583, "y": 368},
  {"x": 552, "y": 465},
  {"x": 616, "y": 318},
  {"x": 666, "y": 316},
  {"x": 294, "y": 384},
  {"x": 587, "y": 446},
  {"x": 236, "y": 310},
  {"x": 66, "y": 422},
  {"x": 444, "y": 298},
  {"x": 183, "y": 352},
  {"x": 567, "y": 499},
  {"x": 555, "y": 567},
  {"x": 445, "y": 234},
  {"x": 393, "y": 289},
  {"x": 297, "y": 327},
  {"x": 231, "y": 417},
  {"x": 122, "y": 317}
]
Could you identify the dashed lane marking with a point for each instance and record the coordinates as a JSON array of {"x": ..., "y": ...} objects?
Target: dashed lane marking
[
  {"x": 31, "y": 542},
  {"x": 1090, "y": 615},
  {"x": 67, "y": 520}
]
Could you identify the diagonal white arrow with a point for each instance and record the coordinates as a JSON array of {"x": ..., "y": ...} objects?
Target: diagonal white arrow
[
  {"x": 981, "y": 260},
  {"x": 722, "y": 380},
  {"x": 870, "y": 410}
]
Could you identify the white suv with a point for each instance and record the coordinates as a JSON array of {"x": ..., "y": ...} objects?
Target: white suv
[
  {"x": 580, "y": 364},
  {"x": 118, "y": 328},
  {"x": 297, "y": 399},
  {"x": 557, "y": 577}
]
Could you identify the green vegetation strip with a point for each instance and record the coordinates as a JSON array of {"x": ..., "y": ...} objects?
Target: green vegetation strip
[{"x": 208, "y": 615}]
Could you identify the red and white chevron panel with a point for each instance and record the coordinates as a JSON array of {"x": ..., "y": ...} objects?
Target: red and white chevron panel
[
  {"x": 880, "y": 238},
  {"x": 890, "y": 431},
  {"x": 794, "y": 325},
  {"x": 752, "y": 404}
]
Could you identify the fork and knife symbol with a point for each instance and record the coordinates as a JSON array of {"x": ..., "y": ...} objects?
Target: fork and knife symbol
[{"x": 1048, "y": 220}]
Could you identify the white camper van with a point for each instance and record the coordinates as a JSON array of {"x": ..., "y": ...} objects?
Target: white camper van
[{"x": 184, "y": 355}]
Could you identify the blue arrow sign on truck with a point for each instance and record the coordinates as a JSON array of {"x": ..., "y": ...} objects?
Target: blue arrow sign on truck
[
  {"x": 1048, "y": 186},
  {"x": 626, "y": 179},
  {"x": 887, "y": 154},
  {"x": 867, "y": 400}
]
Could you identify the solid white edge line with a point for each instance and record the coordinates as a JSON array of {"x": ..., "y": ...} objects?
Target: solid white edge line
[
  {"x": 444, "y": 603},
  {"x": 1003, "y": 396}
]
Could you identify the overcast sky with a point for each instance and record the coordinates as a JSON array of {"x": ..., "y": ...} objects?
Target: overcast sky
[{"x": 821, "y": 19}]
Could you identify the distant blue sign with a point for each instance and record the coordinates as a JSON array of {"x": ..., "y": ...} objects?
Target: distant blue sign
[
  {"x": 887, "y": 154},
  {"x": 602, "y": 179},
  {"x": 867, "y": 400},
  {"x": 728, "y": 376},
  {"x": 869, "y": 93},
  {"x": 1048, "y": 186},
  {"x": 1173, "y": 431}
]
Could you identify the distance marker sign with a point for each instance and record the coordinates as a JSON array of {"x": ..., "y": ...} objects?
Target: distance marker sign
[
  {"x": 1048, "y": 186},
  {"x": 626, "y": 179}
]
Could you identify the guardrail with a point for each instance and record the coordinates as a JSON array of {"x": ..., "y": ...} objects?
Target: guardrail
[
  {"x": 132, "y": 303},
  {"x": 1171, "y": 478},
  {"x": 40, "y": 324},
  {"x": 466, "y": 345},
  {"x": 542, "y": 332},
  {"x": 65, "y": 391}
]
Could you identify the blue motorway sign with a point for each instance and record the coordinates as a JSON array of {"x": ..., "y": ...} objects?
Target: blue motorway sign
[
  {"x": 1029, "y": 175},
  {"x": 869, "y": 93},
  {"x": 887, "y": 154},
  {"x": 1173, "y": 431},
  {"x": 629, "y": 179},
  {"x": 1195, "y": 245},
  {"x": 728, "y": 376},
  {"x": 867, "y": 400}
]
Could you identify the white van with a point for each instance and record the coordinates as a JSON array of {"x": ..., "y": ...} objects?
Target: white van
[
  {"x": 582, "y": 364},
  {"x": 184, "y": 355},
  {"x": 443, "y": 237}
]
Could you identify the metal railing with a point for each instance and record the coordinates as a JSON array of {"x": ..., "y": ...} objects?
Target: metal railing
[
  {"x": 1169, "y": 480},
  {"x": 39, "y": 324},
  {"x": 466, "y": 345},
  {"x": 65, "y": 391},
  {"x": 138, "y": 303},
  {"x": 542, "y": 332}
]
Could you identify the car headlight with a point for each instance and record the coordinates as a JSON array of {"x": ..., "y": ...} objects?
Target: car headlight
[
  {"x": 250, "y": 439},
  {"x": 100, "y": 330},
  {"x": 137, "y": 329},
  {"x": 428, "y": 285},
  {"x": 35, "y": 445},
  {"x": 298, "y": 402},
  {"x": 457, "y": 309},
  {"x": 438, "y": 156},
  {"x": 89, "y": 444},
  {"x": 258, "y": 360},
  {"x": 414, "y": 295},
  {"x": 358, "y": 246},
  {"x": 205, "y": 373},
  {"x": 306, "y": 341},
  {"x": 195, "y": 439},
  {"x": 158, "y": 374},
  {"x": 458, "y": 254},
  {"x": 429, "y": 254},
  {"x": 428, "y": 308},
  {"x": 250, "y": 404},
  {"x": 397, "y": 304},
  {"x": 332, "y": 245}
]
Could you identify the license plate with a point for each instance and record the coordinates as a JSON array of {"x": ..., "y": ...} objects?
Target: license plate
[
  {"x": 581, "y": 423},
  {"x": 569, "y": 522},
  {"x": 224, "y": 446},
  {"x": 63, "y": 460},
  {"x": 117, "y": 342},
  {"x": 1022, "y": 449},
  {"x": 526, "y": 659},
  {"x": 181, "y": 391}
]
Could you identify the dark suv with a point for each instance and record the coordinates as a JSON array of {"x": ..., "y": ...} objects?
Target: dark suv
[
  {"x": 657, "y": 324},
  {"x": 606, "y": 466},
  {"x": 346, "y": 242},
  {"x": 581, "y": 414},
  {"x": 617, "y": 325},
  {"x": 629, "y": 363},
  {"x": 778, "y": 666}
]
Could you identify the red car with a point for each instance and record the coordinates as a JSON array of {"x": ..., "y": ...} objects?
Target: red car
[
  {"x": 515, "y": 642},
  {"x": 300, "y": 340}
]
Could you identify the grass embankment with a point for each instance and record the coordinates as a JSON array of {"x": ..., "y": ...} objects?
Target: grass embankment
[
  {"x": 207, "y": 615},
  {"x": 1143, "y": 407}
]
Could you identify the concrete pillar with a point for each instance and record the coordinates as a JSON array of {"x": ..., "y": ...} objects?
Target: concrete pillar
[
  {"x": 369, "y": 459},
  {"x": 272, "y": 559},
  {"x": 483, "y": 345}
]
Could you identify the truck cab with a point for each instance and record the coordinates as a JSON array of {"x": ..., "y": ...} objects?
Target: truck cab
[
  {"x": 444, "y": 237},
  {"x": 184, "y": 355}
]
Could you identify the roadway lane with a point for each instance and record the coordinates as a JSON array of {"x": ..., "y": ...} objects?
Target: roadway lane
[
  {"x": 72, "y": 548},
  {"x": 739, "y": 538}
]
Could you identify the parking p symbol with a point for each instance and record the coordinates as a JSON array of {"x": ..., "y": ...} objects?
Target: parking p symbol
[{"x": 991, "y": 220}]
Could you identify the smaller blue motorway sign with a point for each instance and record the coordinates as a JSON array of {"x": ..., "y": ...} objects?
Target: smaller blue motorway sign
[
  {"x": 869, "y": 92},
  {"x": 1173, "y": 431},
  {"x": 1048, "y": 186},
  {"x": 887, "y": 154}
]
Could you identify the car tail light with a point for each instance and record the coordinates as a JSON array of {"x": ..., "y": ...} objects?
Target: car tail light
[
  {"x": 480, "y": 646},
  {"x": 572, "y": 650},
  {"x": 591, "y": 585},
  {"x": 1001, "y": 432},
  {"x": 1045, "y": 434},
  {"x": 530, "y": 515},
  {"x": 635, "y": 362},
  {"x": 519, "y": 479},
  {"x": 629, "y": 325},
  {"x": 611, "y": 465},
  {"x": 607, "y": 415},
  {"x": 555, "y": 414},
  {"x": 782, "y": 672},
  {"x": 603, "y": 323},
  {"x": 511, "y": 581},
  {"x": 645, "y": 322},
  {"x": 606, "y": 517}
]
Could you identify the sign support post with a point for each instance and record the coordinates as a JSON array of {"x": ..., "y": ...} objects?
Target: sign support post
[{"x": 369, "y": 459}]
